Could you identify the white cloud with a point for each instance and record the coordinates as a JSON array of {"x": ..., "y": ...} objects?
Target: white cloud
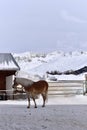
[{"x": 65, "y": 15}]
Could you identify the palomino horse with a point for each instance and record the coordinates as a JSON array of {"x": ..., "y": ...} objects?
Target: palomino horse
[{"x": 33, "y": 89}]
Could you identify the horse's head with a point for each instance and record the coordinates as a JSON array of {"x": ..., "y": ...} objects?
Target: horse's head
[{"x": 21, "y": 81}]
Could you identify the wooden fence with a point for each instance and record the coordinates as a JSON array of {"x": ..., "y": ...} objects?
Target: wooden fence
[{"x": 67, "y": 87}]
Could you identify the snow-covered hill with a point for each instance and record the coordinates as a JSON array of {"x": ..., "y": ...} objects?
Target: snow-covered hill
[{"x": 39, "y": 64}]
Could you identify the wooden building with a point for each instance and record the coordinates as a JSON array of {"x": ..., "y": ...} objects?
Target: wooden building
[{"x": 8, "y": 68}]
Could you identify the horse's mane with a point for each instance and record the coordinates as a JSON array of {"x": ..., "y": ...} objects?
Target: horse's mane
[{"x": 23, "y": 81}]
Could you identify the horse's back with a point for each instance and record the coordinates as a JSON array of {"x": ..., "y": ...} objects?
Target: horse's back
[
  {"x": 41, "y": 83},
  {"x": 38, "y": 86}
]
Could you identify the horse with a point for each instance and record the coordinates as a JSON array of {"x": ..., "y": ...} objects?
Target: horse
[{"x": 33, "y": 89}]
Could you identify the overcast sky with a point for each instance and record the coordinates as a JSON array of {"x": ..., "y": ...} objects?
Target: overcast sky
[{"x": 43, "y": 25}]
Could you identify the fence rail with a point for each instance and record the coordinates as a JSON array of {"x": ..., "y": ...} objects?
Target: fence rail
[{"x": 65, "y": 87}]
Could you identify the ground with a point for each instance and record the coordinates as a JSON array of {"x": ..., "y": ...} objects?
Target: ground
[{"x": 60, "y": 113}]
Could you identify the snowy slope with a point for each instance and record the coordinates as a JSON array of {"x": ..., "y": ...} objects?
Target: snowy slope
[{"x": 59, "y": 61}]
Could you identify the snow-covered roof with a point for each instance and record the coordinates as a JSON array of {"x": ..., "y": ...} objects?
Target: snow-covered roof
[{"x": 7, "y": 62}]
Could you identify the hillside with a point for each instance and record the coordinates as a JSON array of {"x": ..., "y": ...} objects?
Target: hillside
[{"x": 60, "y": 62}]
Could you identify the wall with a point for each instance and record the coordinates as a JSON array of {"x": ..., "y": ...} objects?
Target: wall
[
  {"x": 2, "y": 82},
  {"x": 9, "y": 82}
]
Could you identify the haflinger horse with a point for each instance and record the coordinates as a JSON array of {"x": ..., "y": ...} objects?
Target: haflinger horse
[{"x": 33, "y": 89}]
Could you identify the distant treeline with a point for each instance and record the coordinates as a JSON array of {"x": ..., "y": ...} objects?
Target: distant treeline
[{"x": 75, "y": 72}]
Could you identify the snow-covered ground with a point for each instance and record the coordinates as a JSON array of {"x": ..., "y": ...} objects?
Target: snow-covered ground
[{"x": 60, "y": 113}]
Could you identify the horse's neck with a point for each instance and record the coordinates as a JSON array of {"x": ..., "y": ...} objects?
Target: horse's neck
[{"x": 25, "y": 82}]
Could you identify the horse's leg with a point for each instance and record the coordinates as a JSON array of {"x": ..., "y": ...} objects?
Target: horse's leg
[
  {"x": 44, "y": 98},
  {"x": 28, "y": 100},
  {"x": 34, "y": 102}
]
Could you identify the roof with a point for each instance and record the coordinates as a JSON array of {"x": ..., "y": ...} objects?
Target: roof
[{"x": 7, "y": 62}]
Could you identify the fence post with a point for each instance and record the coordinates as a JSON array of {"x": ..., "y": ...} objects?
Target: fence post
[{"x": 85, "y": 85}]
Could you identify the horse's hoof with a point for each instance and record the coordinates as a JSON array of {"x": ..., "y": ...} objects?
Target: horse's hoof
[
  {"x": 43, "y": 106},
  {"x": 35, "y": 107},
  {"x": 28, "y": 107}
]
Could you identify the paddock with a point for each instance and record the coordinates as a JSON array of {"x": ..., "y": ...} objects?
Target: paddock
[{"x": 63, "y": 111}]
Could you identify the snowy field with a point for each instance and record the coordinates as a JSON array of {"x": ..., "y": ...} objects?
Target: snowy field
[{"x": 60, "y": 113}]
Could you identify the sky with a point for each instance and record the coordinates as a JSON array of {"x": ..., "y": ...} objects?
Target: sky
[{"x": 43, "y": 25}]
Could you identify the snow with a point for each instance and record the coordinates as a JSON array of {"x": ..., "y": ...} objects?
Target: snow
[
  {"x": 60, "y": 113},
  {"x": 71, "y": 77},
  {"x": 59, "y": 61},
  {"x": 9, "y": 65}
]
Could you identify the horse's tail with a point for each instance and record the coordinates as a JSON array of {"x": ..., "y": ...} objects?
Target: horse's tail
[
  {"x": 46, "y": 96},
  {"x": 47, "y": 91}
]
